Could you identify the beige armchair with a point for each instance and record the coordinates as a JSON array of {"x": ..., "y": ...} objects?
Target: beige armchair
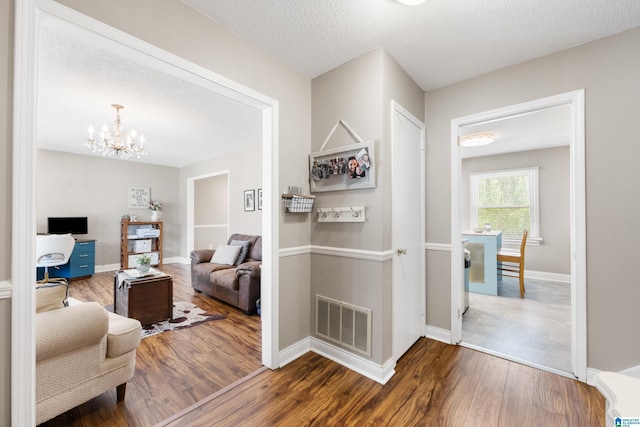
[{"x": 81, "y": 352}]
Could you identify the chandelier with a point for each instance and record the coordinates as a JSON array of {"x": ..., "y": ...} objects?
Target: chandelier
[{"x": 115, "y": 141}]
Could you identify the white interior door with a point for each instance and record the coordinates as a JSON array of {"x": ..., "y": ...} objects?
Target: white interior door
[{"x": 407, "y": 228}]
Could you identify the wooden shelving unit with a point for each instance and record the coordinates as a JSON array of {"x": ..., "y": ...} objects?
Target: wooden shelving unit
[{"x": 140, "y": 238}]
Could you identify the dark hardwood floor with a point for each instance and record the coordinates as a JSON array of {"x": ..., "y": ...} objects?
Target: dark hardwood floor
[
  {"x": 435, "y": 384},
  {"x": 173, "y": 369}
]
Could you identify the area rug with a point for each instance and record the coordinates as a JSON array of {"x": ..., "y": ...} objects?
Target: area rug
[{"x": 185, "y": 315}]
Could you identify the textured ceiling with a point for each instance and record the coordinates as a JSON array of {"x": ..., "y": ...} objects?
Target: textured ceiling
[
  {"x": 438, "y": 43},
  {"x": 81, "y": 75}
]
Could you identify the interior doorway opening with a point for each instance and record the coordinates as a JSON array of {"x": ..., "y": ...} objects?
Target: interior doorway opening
[
  {"x": 574, "y": 101},
  {"x": 29, "y": 15}
]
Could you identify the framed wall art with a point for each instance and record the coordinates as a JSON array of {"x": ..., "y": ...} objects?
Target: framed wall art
[
  {"x": 259, "y": 198},
  {"x": 249, "y": 200},
  {"x": 350, "y": 167},
  {"x": 139, "y": 197}
]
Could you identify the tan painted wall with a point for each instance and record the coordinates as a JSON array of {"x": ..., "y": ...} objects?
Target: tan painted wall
[
  {"x": 554, "y": 253},
  {"x": 607, "y": 70}
]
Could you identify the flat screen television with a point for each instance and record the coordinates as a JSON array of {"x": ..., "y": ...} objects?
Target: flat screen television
[{"x": 66, "y": 225}]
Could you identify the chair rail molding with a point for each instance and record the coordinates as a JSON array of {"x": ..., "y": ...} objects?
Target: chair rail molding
[
  {"x": 6, "y": 289},
  {"x": 443, "y": 247}
]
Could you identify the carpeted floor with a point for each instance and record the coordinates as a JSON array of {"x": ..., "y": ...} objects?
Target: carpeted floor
[{"x": 185, "y": 315}]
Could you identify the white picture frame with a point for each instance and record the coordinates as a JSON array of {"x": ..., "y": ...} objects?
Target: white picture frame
[
  {"x": 139, "y": 197},
  {"x": 330, "y": 170}
]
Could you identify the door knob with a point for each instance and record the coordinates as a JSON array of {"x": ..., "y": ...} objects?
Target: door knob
[{"x": 401, "y": 251}]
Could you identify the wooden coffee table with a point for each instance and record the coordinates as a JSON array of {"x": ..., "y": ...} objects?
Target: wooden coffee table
[{"x": 148, "y": 299}]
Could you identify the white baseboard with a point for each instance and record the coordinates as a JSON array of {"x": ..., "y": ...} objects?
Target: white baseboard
[
  {"x": 438, "y": 334},
  {"x": 107, "y": 267},
  {"x": 591, "y": 375},
  {"x": 551, "y": 277},
  {"x": 367, "y": 368},
  {"x": 294, "y": 351},
  {"x": 632, "y": 372},
  {"x": 371, "y": 370}
]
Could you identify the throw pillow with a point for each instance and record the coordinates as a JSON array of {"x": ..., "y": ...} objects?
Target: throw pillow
[
  {"x": 50, "y": 296},
  {"x": 244, "y": 244},
  {"x": 225, "y": 254}
]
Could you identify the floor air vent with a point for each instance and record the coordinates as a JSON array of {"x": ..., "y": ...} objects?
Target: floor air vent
[{"x": 344, "y": 324}]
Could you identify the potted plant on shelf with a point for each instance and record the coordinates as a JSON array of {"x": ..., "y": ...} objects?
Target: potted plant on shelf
[
  {"x": 144, "y": 263},
  {"x": 156, "y": 208}
]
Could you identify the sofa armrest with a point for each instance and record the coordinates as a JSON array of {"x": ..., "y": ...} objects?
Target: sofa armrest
[
  {"x": 67, "y": 329},
  {"x": 123, "y": 335},
  {"x": 201, "y": 255},
  {"x": 250, "y": 268}
]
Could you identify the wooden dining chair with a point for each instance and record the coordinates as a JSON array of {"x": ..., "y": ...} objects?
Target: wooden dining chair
[{"x": 512, "y": 262}]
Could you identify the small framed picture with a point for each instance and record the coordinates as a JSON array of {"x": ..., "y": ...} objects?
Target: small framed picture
[
  {"x": 260, "y": 198},
  {"x": 249, "y": 200}
]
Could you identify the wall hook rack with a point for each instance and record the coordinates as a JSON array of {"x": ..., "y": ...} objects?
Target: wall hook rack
[{"x": 342, "y": 214}]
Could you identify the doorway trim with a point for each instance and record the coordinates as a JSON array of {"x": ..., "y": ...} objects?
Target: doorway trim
[
  {"x": 28, "y": 15},
  {"x": 577, "y": 212}
]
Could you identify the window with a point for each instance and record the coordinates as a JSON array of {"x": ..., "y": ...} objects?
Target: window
[{"x": 508, "y": 200}]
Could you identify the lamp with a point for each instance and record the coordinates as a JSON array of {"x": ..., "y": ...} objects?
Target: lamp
[
  {"x": 476, "y": 139},
  {"x": 115, "y": 141}
]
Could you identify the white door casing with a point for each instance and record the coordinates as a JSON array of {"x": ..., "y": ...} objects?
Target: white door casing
[{"x": 407, "y": 228}]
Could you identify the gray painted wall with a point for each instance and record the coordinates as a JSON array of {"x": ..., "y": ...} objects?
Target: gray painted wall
[
  {"x": 554, "y": 253},
  {"x": 98, "y": 187},
  {"x": 211, "y": 208},
  {"x": 360, "y": 92},
  {"x": 607, "y": 70},
  {"x": 245, "y": 173}
]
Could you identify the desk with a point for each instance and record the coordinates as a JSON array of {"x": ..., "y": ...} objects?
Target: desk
[
  {"x": 483, "y": 274},
  {"x": 82, "y": 262}
]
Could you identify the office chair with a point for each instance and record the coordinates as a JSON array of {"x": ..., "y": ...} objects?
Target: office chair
[
  {"x": 53, "y": 250},
  {"x": 514, "y": 260}
]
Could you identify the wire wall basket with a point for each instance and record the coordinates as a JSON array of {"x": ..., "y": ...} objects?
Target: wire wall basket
[{"x": 297, "y": 203}]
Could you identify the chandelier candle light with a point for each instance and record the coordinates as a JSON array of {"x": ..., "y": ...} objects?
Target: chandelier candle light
[{"x": 115, "y": 141}]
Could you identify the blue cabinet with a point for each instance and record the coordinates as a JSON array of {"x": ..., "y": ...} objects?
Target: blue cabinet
[
  {"x": 81, "y": 263},
  {"x": 483, "y": 274}
]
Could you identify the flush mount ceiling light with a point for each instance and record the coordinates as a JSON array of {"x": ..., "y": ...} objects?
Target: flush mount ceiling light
[
  {"x": 476, "y": 139},
  {"x": 115, "y": 141},
  {"x": 411, "y": 2}
]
